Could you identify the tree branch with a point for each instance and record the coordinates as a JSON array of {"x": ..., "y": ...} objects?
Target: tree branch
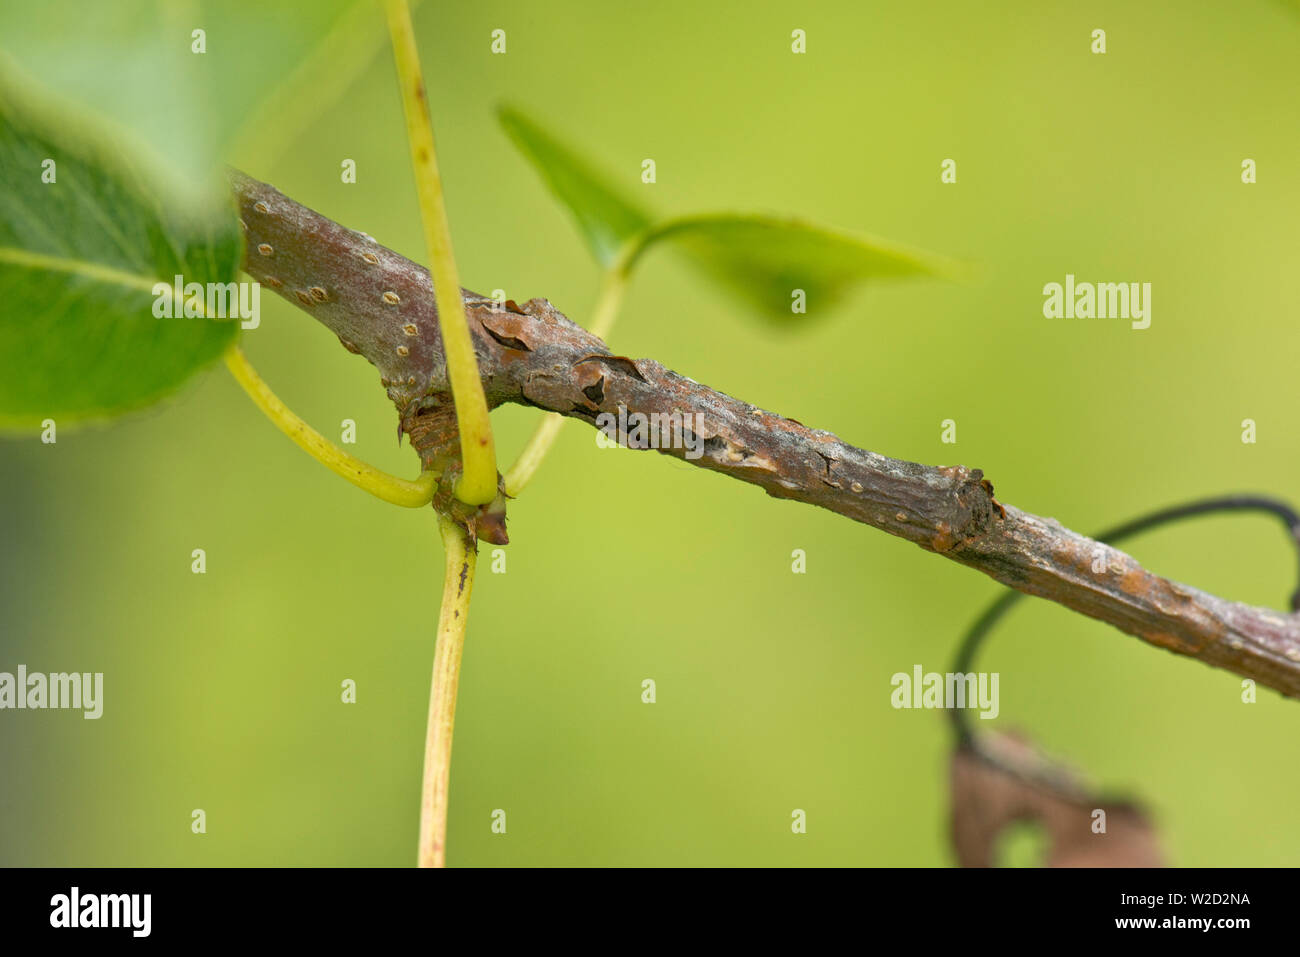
[{"x": 533, "y": 355}]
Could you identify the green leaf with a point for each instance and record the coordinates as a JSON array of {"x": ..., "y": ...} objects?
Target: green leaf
[
  {"x": 605, "y": 219},
  {"x": 137, "y": 64},
  {"x": 79, "y": 257},
  {"x": 763, "y": 258},
  {"x": 766, "y": 259}
]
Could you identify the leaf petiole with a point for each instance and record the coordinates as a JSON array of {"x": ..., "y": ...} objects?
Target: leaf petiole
[
  {"x": 457, "y": 583},
  {"x": 478, "y": 482},
  {"x": 390, "y": 488}
]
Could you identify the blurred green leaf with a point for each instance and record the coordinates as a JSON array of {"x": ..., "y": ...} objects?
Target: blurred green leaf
[
  {"x": 136, "y": 64},
  {"x": 766, "y": 259},
  {"x": 78, "y": 259},
  {"x": 606, "y": 220},
  {"x": 762, "y": 258}
]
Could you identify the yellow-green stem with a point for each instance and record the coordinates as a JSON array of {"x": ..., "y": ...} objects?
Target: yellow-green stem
[
  {"x": 478, "y": 481},
  {"x": 612, "y": 288},
  {"x": 457, "y": 583},
  {"x": 361, "y": 474}
]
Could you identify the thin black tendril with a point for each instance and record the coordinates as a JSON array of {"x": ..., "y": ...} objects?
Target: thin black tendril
[{"x": 994, "y": 613}]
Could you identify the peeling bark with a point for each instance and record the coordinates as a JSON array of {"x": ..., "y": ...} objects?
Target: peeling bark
[{"x": 381, "y": 306}]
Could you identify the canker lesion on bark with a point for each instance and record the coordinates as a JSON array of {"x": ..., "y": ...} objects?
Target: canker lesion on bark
[{"x": 533, "y": 355}]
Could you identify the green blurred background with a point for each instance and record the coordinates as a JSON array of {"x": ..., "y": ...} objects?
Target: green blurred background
[{"x": 223, "y": 689}]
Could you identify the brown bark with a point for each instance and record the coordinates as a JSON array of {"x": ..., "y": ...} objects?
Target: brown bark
[{"x": 381, "y": 306}]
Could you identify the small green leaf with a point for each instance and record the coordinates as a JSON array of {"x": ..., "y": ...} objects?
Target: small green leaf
[
  {"x": 85, "y": 233},
  {"x": 778, "y": 263},
  {"x": 606, "y": 220}
]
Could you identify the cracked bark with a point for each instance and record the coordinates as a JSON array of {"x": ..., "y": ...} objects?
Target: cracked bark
[{"x": 381, "y": 306}]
